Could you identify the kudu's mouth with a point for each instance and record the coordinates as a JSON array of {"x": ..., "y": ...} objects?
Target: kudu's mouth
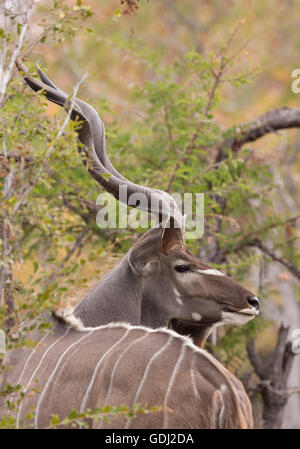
[
  {"x": 249, "y": 312},
  {"x": 239, "y": 317}
]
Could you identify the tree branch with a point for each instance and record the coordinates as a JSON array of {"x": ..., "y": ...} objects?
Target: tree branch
[
  {"x": 255, "y": 360},
  {"x": 273, "y": 378},
  {"x": 224, "y": 63},
  {"x": 270, "y": 122},
  {"x": 292, "y": 268},
  {"x": 248, "y": 242}
]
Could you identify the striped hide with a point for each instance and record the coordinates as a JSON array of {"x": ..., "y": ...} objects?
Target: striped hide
[{"x": 119, "y": 364}]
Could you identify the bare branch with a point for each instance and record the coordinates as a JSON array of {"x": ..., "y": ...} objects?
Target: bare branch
[
  {"x": 250, "y": 240},
  {"x": 274, "y": 378},
  {"x": 292, "y": 268},
  {"x": 256, "y": 361},
  {"x": 277, "y": 362},
  {"x": 78, "y": 244},
  {"x": 6, "y": 75},
  {"x": 269, "y": 122}
]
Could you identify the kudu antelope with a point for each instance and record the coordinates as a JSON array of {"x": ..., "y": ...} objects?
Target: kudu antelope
[{"x": 158, "y": 283}]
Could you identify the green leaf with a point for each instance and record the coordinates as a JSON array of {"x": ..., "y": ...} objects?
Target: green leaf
[
  {"x": 73, "y": 414},
  {"x": 117, "y": 13},
  {"x": 54, "y": 420},
  {"x": 35, "y": 266}
]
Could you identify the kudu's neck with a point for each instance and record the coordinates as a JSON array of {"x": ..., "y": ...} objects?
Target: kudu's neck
[
  {"x": 123, "y": 295},
  {"x": 117, "y": 297}
]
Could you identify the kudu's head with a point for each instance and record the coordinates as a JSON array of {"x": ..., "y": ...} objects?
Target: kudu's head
[
  {"x": 197, "y": 297},
  {"x": 191, "y": 295}
]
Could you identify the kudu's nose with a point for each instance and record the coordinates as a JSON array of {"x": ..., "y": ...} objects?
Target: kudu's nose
[{"x": 253, "y": 301}]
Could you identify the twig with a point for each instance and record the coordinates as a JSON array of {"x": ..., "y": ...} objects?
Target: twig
[
  {"x": 78, "y": 244},
  {"x": 224, "y": 62},
  {"x": 292, "y": 268},
  {"x": 5, "y": 77}
]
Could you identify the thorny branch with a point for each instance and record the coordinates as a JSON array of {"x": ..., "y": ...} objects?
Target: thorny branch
[
  {"x": 194, "y": 137},
  {"x": 224, "y": 63}
]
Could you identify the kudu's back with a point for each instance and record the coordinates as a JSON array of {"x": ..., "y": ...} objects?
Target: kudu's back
[{"x": 125, "y": 365}]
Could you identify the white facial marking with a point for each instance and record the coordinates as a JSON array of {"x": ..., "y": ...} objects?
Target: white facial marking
[
  {"x": 178, "y": 297},
  {"x": 196, "y": 316},
  {"x": 236, "y": 318},
  {"x": 212, "y": 271},
  {"x": 249, "y": 311},
  {"x": 180, "y": 262}
]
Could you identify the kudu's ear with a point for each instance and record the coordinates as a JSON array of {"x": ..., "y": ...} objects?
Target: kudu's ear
[
  {"x": 172, "y": 237},
  {"x": 146, "y": 250},
  {"x": 150, "y": 247}
]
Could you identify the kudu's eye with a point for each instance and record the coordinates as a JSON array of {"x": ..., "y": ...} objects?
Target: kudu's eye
[{"x": 182, "y": 268}]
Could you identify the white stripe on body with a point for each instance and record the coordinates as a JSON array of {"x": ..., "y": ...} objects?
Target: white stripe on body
[
  {"x": 171, "y": 382},
  {"x": 85, "y": 398},
  {"x": 30, "y": 356},
  {"x": 219, "y": 406},
  {"x": 51, "y": 377},
  {"x": 157, "y": 354},
  {"x": 116, "y": 365},
  {"x": 221, "y": 415},
  {"x": 35, "y": 371},
  {"x": 193, "y": 379}
]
